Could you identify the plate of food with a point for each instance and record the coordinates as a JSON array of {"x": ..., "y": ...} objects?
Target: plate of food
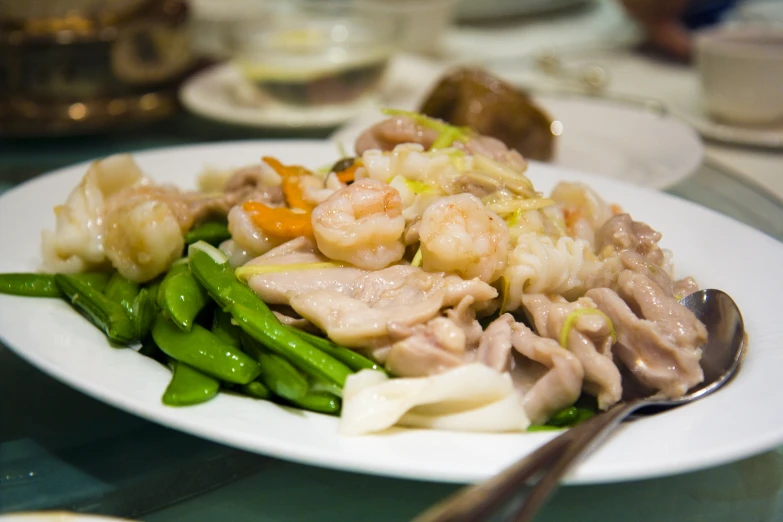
[
  {"x": 431, "y": 309},
  {"x": 633, "y": 143}
]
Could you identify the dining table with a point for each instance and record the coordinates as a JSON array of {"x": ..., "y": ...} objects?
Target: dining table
[{"x": 61, "y": 450}]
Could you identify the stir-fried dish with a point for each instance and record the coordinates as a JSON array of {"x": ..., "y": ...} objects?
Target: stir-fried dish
[{"x": 423, "y": 282}]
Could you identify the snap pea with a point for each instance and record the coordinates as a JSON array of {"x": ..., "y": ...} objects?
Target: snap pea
[
  {"x": 256, "y": 389},
  {"x": 319, "y": 402},
  {"x": 122, "y": 290},
  {"x": 279, "y": 375},
  {"x": 254, "y": 317},
  {"x": 142, "y": 313},
  {"x": 223, "y": 328},
  {"x": 222, "y": 284},
  {"x": 181, "y": 297},
  {"x": 43, "y": 285},
  {"x": 268, "y": 330},
  {"x": 104, "y": 313},
  {"x": 569, "y": 416},
  {"x": 204, "y": 351},
  {"x": 189, "y": 386},
  {"x": 212, "y": 232},
  {"x": 345, "y": 355}
]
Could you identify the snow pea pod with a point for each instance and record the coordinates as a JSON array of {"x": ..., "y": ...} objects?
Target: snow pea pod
[
  {"x": 205, "y": 352},
  {"x": 189, "y": 386},
  {"x": 256, "y": 389},
  {"x": 345, "y": 355},
  {"x": 319, "y": 402},
  {"x": 43, "y": 285},
  {"x": 142, "y": 313},
  {"x": 104, "y": 313},
  {"x": 122, "y": 290},
  {"x": 279, "y": 375},
  {"x": 267, "y": 329},
  {"x": 181, "y": 297},
  {"x": 212, "y": 232},
  {"x": 223, "y": 328}
]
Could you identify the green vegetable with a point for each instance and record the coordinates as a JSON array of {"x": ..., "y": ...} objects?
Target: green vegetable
[
  {"x": 104, "y": 313},
  {"x": 347, "y": 356},
  {"x": 189, "y": 386},
  {"x": 43, "y": 285},
  {"x": 181, "y": 297},
  {"x": 256, "y": 389},
  {"x": 569, "y": 417},
  {"x": 142, "y": 313},
  {"x": 122, "y": 290},
  {"x": 267, "y": 329},
  {"x": 319, "y": 402},
  {"x": 278, "y": 374},
  {"x": 219, "y": 280},
  {"x": 254, "y": 317},
  {"x": 204, "y": 351},
  {"x": 223, "y": 328},
  {"x": 543, "y": 427},
  {"x": 212, "y": 232}
]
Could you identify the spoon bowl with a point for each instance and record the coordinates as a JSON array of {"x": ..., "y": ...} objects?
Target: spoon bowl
[{"x": 721, "y": 357}]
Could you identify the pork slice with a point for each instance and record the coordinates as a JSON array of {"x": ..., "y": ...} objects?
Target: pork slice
[
  {"x": 621, "y": 233},
  {"x": 647, "y": 348},
  {"x": 559, "y": 386},
  {"x": 589, "y": 339},
  {"x": 351, "y": 322},
  {"x": 494, "y": 348},
  {"x": 391, "y": 132}
]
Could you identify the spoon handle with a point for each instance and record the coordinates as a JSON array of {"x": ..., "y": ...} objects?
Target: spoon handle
[
  {"x": 585, "y": 438},
  {"x": 546, "y": 466}
]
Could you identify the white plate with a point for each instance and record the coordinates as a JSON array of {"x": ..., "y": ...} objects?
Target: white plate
[
  {"x": 690, "y": 109},
  {"x": 617, "y": 140},
  {"x": 473, "y": 10},
  {"x": 221, "y": 93},
  {"x": 735, "y": 422}
]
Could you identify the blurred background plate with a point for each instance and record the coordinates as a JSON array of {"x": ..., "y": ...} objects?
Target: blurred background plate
[
  {"x": 487, "y": 9},
  {"x": 221, "y": 93},
  {"x": 633, "y": 143}
]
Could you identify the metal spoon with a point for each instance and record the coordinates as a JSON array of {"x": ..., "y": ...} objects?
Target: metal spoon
[{"x": 720, "y": 360}]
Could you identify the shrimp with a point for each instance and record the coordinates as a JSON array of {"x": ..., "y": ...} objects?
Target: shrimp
[
  {"x": 361, "y": 224},
  {"x": 247, "y": 241},
  {"x": 143, "y": 238},
  {"x": 459, "y": 235},
  {"x": 76, "y": 244}
]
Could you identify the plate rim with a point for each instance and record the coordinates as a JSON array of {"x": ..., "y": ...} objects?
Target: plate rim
[{"x": 186, "y": 426}]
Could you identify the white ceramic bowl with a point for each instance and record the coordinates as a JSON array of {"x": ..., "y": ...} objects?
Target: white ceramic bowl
[{"x": 741, "y": 72}]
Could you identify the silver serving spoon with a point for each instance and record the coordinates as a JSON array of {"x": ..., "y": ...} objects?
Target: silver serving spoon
[{"x": 547, "y": 465}]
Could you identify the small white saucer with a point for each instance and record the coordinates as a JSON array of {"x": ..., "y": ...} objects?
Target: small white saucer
[
  {"x": 691, "y": 110},
  {"x": 221, "y": 93}
]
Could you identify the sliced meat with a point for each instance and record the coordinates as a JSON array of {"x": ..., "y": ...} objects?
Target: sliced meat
[
  {"x": 494, "y": 349},
  {"x": 635, "y": 262},
  {"x": 431, "y": 349},
  {"x": 589, "y": 339},
  {"x": 559, "y": 385},
  {"x": 351, "y": 322},
  {"x": 685, "y": 286},
  {"x": 390, "y": 132},
  {"x": 621, "y": 233},
  {"x": 658, "y": 339}
]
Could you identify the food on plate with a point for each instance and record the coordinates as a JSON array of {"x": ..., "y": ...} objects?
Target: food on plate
[
  {"x": 422, "y": 283},
  {"x": 472, "y": 97}
]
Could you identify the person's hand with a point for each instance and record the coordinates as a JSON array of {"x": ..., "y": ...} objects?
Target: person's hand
[{"x": 661, "y": 19}]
